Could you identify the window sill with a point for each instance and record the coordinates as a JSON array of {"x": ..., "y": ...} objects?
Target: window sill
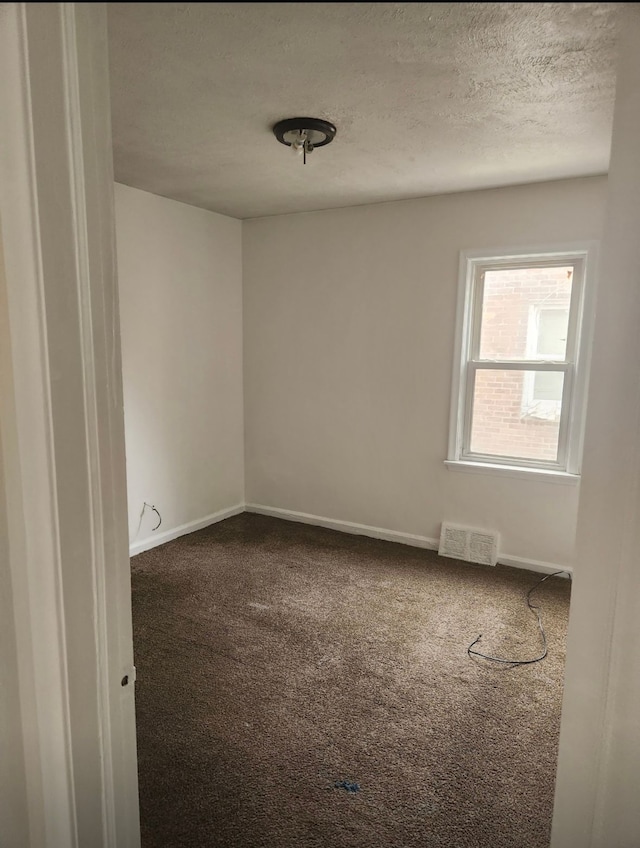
[{"x": 543, "y": 474}]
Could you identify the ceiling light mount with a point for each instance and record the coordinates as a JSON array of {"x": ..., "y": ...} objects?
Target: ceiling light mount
[{"x": 303, "y": 135}]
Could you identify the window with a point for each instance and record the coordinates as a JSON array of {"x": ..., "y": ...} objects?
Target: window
[
  {"x": 546, "y": 339},
  {"x": 520, "y": 375}
]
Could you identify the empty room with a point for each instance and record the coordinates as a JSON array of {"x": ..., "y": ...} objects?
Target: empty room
[{"x": 322, "y": 389}]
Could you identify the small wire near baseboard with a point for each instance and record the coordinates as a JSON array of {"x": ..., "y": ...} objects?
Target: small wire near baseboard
[
  {"x": 151, "y": 506},
  {"x": 138, "y": 547}
]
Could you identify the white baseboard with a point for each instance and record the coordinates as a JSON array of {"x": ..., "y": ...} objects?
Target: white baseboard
[
  {"x": 183, "y": 529},
  {"x": 346, "y": 526},
  {"x": 392, "y": 536},
  {"x": 535, "y": 565},
  {"x": 412, "y": 539}
]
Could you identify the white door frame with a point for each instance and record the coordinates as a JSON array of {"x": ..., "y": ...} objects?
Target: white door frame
[
  {"x": 596, "y": 803},
  {"x": 61, "y": 420},
  {"x": 63, "y": 459}
]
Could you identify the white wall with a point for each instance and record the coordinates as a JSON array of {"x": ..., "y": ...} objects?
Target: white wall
[
  {"x": 349, "y": 321},
  {"x": 180, "y": 280},
  {"x": 599, "y": 756}
]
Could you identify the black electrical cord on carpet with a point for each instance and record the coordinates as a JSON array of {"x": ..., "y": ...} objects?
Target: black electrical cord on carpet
[{"x": 533, "y": 609}]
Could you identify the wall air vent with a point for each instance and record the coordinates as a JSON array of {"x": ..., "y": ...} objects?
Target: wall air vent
[{"x": 468, "y": 544}]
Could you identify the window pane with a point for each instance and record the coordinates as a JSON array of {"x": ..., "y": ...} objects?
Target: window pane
[
  {"x": 516, "y": 414},
  {"x": 551, "y": 332},
  {"x": 525, "y": 313}
]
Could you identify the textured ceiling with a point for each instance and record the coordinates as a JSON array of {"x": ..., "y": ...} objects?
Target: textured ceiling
[{"x": 427, "y": 98}]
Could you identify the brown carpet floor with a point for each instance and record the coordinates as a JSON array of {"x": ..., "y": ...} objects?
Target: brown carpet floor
[{"x": 276, "y": 659}]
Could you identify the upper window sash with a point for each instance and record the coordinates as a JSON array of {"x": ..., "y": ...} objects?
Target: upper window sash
[{"x": 477, "y": 283}]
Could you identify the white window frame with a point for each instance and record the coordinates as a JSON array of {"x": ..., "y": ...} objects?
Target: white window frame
[{"x": 583, "y": 255}]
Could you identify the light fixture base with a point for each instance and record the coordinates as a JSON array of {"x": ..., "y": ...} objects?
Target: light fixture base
[{"x": 304, "y": 134}]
